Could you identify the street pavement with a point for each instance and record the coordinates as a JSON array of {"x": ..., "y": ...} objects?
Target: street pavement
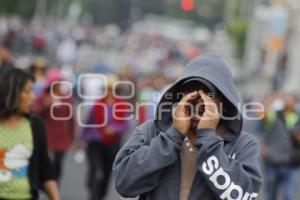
[
  {"x": 73, "y": 181},
  {"x": 72, "y": 186}
]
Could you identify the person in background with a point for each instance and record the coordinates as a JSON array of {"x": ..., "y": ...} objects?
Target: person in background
[
  {"x": 5, "y": 57},
  {"x": 127, "y": 75},
  {"x": 25, "y": 167},
  {"x": 38, "y": 70},
  {"x": 104, "y": 141},
  {"x": 55, "y": 108},
  {"x": 279, "y": 150}
]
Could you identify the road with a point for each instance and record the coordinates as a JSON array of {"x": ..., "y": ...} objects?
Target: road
[
  {"x": 74, "y": 177},
  {"x": 73, "y": 181}
]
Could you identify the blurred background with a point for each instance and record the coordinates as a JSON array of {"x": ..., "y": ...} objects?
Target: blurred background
[{"x": 148, "y": 43}]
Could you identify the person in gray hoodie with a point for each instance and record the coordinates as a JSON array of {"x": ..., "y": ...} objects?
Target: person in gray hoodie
[{"x": 187, "y": 153}]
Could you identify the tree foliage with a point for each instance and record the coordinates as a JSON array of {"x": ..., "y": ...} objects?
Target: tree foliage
[
  {"x": 24, "y": 8},
  {"x": 206, "y": 12}
]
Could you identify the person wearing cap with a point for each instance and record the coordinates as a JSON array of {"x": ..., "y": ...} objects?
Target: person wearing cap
[{"x": 194, "y": 148}]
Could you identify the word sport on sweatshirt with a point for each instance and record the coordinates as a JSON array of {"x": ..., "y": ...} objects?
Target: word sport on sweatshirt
[{"x": 222, "y": 181}]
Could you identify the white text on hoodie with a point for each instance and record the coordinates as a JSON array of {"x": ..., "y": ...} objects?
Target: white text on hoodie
[{"x": 215, "y": 172}]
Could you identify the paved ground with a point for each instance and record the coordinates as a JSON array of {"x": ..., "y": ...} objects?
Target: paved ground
[
  {"x": 74, "y": 177},
  {"x": 73, "y": 182}
]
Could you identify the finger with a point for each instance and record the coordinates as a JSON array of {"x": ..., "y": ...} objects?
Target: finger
[
  {"x": 209, "y": 104},
  {"x": 189, "y": 96},
  {"x": 210, "y": 115},
  {"x": 211, "y": 108},
  {"x": 204, "y": 96},
  {"x": 208, "y": 101}
]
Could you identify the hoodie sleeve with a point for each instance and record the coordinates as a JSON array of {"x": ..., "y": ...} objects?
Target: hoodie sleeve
[
  {"x": 139, "y": 163},
  {"x": 236, "y": 176}
]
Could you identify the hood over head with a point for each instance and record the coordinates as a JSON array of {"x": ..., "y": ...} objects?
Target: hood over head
[{"x": 209, "y": 69}]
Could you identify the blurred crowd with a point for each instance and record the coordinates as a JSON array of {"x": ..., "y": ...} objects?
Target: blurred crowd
[
  {"x": 66, "y": 60},
  {"x": 279, "y": 133}
]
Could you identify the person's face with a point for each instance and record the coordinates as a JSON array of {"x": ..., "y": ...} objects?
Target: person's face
[{"x": 27, "y": 97}]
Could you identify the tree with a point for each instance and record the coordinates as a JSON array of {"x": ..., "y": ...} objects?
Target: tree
[{"x": 18, "y": 7}]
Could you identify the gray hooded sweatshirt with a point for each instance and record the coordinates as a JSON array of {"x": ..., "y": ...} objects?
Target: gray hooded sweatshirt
[{"x": 149, "y": 164}]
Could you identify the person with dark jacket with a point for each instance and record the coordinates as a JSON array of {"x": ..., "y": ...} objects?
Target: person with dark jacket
[
  {"x": 25, "y": 167},
  {"x": 281, "y": 146},
  {"x": 194, "y": 148}
]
